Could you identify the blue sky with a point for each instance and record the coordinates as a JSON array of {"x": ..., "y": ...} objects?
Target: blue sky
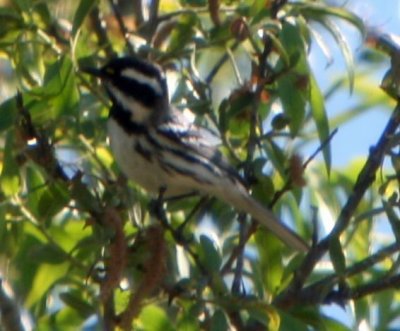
[{"x": 355, "y": 138}]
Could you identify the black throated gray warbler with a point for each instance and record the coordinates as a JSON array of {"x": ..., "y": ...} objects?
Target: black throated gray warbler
[{"x": 157, "y": 147}]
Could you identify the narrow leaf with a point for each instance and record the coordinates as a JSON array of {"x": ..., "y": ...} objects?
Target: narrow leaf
[
  {"x": 84, "y": 8},
  {"x": 320, "y": 117},
  {"x": 393, "y": 219},
  {"x": 312, "y": 10},
  {"x": 8, "y": 111},
  {"x": 344, "y": 48},
  {"x": 9, "y": 179},
  {"x": 337, "y": 256}
]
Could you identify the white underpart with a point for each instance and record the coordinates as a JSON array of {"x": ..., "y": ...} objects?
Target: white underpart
[
  {"x": 133, "y": 165},
  {"x": 179, "y": 175},
  {"x": 141, "y": 113},
  {"x": 143, "y": 79}
]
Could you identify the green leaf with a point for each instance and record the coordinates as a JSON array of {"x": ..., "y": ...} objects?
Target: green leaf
[
  {"x": 23, "y": 5},
  {"x": 344, "y": 47},
  {"x": 293, "y": 87},
  {"x": 265, "y": 314},
  {"x": 393, "y": 219},
  {"x": 258, "y": 8},
  {"x": 74, "y": 300},
  {"x": 337, "y": 256},
  {"x": 10, "y": 182},
  {"x": 290, "y": 322},
  {"x": 183, "y": 32},
  {"x": 270, "y": 259},
  {"x": 48, "y": 253},
  {"x": 47, "y": 275},
  {"x": 22, "y": 261},
  {"x": 10, "y": 21},
  {"x": 264, "y": 189},
  {"x": 74, "y": 234},
  {"x": 84, "y": 8},
  {"x": 65, "y": 318},
  {"x": 57, "y": 96},
  {"x": 314, "y": 10},
  {"x": 277, "y": 157},
  {"x": 8, "y": 113},
  {"x": 54, "y": 197},
  {"x": 318, "y": 111},
  {"x": 219, "y": 321},
  {"x": 386, "y": 311},
  {"x": 35, "y": 183},
  {"x": 67, "y": 100},
  {"x": 188, "y": 320},
  {"x": 43, "y": 14},
  {"x": 153, "y": 318},
  {"x": 84, "y": 198},
  {"x": 210, "y": 254},
  {"x": 294, "y": 100},
  {"x": 331, "y": 324}
]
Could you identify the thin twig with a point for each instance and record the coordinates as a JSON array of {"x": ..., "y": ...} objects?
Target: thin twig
[
  {"x": 237, "y": 283},
  {"x": 42, "y": 152},
  {"x": 365, "y": 179},
  {"x": 153, "y": 10},
  {"x": 288, "y": 184},
  {"x": 238, "y": 250},
  {"x": 122, "y": 26},
  {"x": 101, "y": 32},
  {"x": 159, "y": 212},
  {"x": 218, "y": 65},
  {"x": 365, "y": 289},
  {"x": 320, "y": 148},
  {"x": 313, "y": 294},
  {"x": 9, "y": 312}
]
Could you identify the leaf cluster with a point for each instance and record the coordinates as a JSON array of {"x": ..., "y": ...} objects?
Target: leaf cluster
[{"x": 83, "y": 248}]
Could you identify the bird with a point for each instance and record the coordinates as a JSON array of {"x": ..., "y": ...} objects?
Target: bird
[{"x": 160, "y": 149}]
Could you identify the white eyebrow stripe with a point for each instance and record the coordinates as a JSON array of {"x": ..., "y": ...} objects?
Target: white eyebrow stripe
[{"x": 153, "y": 82}]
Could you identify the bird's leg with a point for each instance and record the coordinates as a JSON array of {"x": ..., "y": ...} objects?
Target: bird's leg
[
  {"x": 157, "y": 207},
  {"x": 199, "y": 205},
  {"x": 237, "y": 284},
  {"x": 181, "y": 196}
]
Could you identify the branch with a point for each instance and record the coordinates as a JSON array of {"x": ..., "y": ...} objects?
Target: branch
[
  {"x": 117, "y": 260},
  {"x": 101, "y": 32},
  {"x": 363, "y": 182},
  {"x": 154, "y": 272},
  {"x": 219, "y": 64},
  {"x": 9, "y": 312},
  {"x": 124, "y": 31},
  {"x": 37, "y": 146},
  {"x": 238, "y": 273},
  {"x": 314, "y": 293},
  {"x": 366, "y": 289},
  {"x": 288, "y": 184}
]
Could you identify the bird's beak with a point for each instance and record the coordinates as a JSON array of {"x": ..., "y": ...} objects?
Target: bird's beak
[{"x": 92, "y": 71}]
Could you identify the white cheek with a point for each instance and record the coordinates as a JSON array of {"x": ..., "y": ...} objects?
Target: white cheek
[{"x": 139, "y": 112}]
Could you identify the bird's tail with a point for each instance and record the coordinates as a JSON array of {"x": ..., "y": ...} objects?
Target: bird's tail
[{"x": 242, "y": 201}]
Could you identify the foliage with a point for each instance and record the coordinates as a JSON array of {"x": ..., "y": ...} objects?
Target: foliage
[{"x": 82, "y": 248}]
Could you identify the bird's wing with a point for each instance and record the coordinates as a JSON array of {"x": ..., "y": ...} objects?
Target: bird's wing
[{"x": 199, "y": 140}]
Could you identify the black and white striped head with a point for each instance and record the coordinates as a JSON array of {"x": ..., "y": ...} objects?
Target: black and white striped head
[{"x": 135, "y": 86}]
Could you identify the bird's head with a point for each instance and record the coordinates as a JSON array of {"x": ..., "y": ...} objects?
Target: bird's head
[{"x": 135, "y": 86}]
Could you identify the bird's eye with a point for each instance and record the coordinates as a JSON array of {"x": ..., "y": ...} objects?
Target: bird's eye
[{"x": 109, "y": 71}]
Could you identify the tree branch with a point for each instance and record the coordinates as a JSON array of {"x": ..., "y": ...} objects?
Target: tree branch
[
  {"x": 9, "y": 312},
  {"x": 314, "y": 293},
  {"x": 124, "y": 31},
  {"x": 101, "y": 32},
  {"x": 363, "y": 182}
]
